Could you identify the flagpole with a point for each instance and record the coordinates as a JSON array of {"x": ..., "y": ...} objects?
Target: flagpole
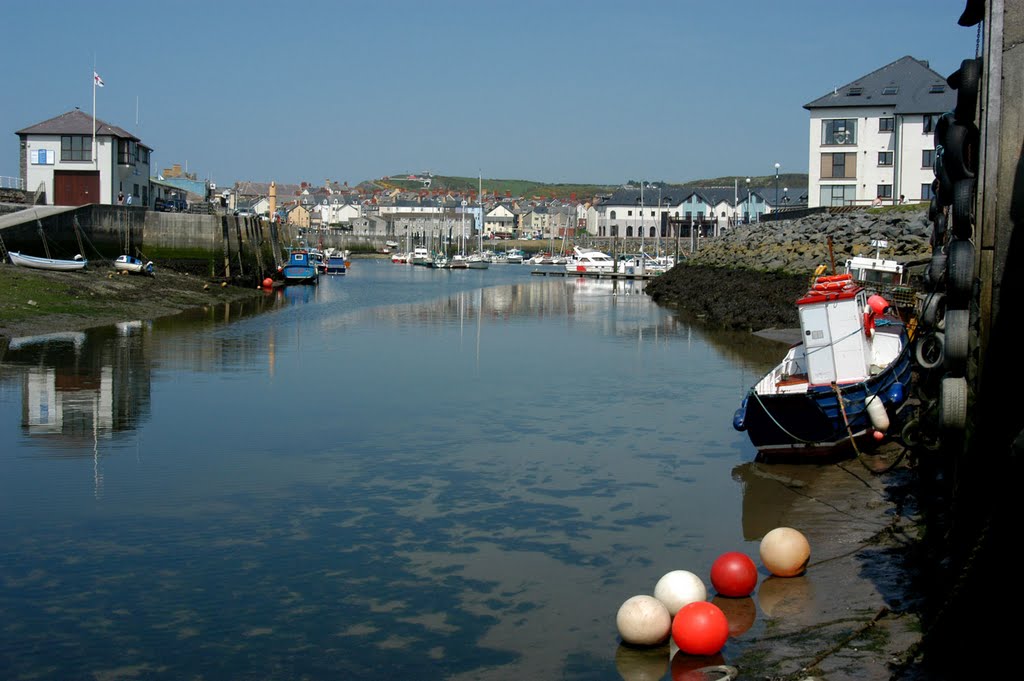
[{"x": 95, "y": 160}]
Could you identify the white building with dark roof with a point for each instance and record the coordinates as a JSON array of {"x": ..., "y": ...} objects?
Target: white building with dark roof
[
  {"x": 873, "y": 138},
  {"x": 58, "y": 155}
]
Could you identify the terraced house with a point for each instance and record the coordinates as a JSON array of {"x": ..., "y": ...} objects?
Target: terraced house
[{"x": 872, "y": 139}]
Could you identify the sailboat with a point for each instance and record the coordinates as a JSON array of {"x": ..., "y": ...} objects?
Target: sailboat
[
  {"x": 48, "y": 263},
  {"x": 479, "y": 259},
  {"x": 130, "y": 263}
]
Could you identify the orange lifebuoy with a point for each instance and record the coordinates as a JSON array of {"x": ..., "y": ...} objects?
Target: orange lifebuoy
[
  {"x": 869, "y": 323},
  {"x": 835, "y": 277}
]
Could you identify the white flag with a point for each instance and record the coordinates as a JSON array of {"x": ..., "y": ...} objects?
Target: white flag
[{"x": 96, "y": 79}]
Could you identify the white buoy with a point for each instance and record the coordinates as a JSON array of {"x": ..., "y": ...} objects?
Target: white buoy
[
  {"x": 876, "y": 412},
  {"x": 678, "y": 588},
  {"x": 643, "y": 621},
  {"x": 785, "y": 552}
]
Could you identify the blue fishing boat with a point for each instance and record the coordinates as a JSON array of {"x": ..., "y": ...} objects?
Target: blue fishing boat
[
  {"x": 300, "y": 268},
  {"x": 842, "y": 388},
  {"x": 336, "y": 261}
]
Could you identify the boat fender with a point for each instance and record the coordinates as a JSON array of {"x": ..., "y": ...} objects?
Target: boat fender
[
  {"x": 869, "y": 322},
  {"x": 877, "y": 414},
  {"x": 738, "y": 422},
  {"x": 896, "y": 394}
]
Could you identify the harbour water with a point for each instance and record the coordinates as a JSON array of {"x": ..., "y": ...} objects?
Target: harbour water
[{"x": 398, "y": 473}]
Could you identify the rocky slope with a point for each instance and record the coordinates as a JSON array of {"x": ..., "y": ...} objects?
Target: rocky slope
[{"x": 749, "y": 277}]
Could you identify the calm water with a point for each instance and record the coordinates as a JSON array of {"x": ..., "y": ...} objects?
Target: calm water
[{"x": 400, "y": 473}]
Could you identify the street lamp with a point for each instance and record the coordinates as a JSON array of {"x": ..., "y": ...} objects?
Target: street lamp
[
  {"x": 785, "y": 195},
  {"x": 748, "y": 201},
  {"x": 776, "y": 186}
]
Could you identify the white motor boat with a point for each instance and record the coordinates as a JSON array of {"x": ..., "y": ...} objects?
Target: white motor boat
[{"x": 590, "y": 260}]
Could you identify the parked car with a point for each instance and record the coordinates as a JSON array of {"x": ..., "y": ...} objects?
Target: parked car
[
  {"x": 173, "y": 204},
  {"x": 243, "y": 213}
]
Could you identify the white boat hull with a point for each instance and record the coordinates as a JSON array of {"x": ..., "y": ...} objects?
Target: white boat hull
[{"x": 47, "y": 263}]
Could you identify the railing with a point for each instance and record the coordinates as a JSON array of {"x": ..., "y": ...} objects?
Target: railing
[{"x": 11, "y": 182}]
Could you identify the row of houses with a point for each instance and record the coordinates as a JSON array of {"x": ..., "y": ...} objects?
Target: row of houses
[
  {"x": 651, "y": 210},
  {"x": 869, "y": 141}
]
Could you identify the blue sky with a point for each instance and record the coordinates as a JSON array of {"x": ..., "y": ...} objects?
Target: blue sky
[{"x": 564, "y": 91}]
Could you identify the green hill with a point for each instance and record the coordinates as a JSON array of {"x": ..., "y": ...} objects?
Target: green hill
[{"x": 543, "y": 190}]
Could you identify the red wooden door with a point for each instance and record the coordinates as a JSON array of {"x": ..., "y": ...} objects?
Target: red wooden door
[{"x": 76, "y": 187}]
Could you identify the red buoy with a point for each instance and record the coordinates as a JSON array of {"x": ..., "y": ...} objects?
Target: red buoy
[
  {"x": 734, "y": 574},
  {"x": 268, "y": 283},
  {"x": 700, "y": 628}
]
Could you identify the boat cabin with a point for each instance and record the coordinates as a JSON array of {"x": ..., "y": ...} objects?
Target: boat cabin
[
  {"x": 836, "y": 332},
  {"x": 875, "y": 271}
]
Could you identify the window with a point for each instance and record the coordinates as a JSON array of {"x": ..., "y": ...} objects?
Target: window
[
  {"x": 135, "y": 190},
  {"x": 75, "y": 148},
  {"x": 700, "y": 216},
  {"x": 937, "y": 89},
  {"x": 654, "y": 231},
  {"x": 125, "y": 153},
  {"x": 689, "y": 216},
  {"x": 840, "y": 166},
  {"x": 838, "y": 194},
  {"x": 890, "y": 89},
  {"x": 928, "y": 124},
  {"x": 611, "y": 215},
  {"x": 885, "y": 158},
  {"x": 886, "y": 124},
  {"x": 927, "y": 158},
  {"x": 884, "y": 191},
  {"x": 839, "y": 131},
  {"x": 926, "y": 192},
  {"x": 615, "y": 230},
  {"x": 629, "y": 213},
  {"x": 855, "y": 91}
]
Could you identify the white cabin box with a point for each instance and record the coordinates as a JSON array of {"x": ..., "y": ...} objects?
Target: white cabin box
[{"x": 836, "y": 346}]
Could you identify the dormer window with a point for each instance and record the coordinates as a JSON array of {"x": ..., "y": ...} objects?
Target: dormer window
[
  {"x": 890, "y": 89},
  {"x": 937, "y": 89},
  {"x": 855, "y": 91}
]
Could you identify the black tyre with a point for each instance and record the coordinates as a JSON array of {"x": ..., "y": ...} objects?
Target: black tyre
[
  {"x": 941, "y": 126},
  {"x": 933, "y": 310},
  {"x": 960, "y": 152},
  {"x": 967, "y": 82},
  {"x": 960, "y": 272},
  {"x": 929, "y": 349},
  {"x": 933, "y": 204},
  {"x": 957, "y": 338},
  {"x": 944, "y": 190},
  {"x": 953, "y": 404},
  {"x": 939, "y": 230},
  {"x": 963, "y": 209},
  {"x": 935, "y": 275}
]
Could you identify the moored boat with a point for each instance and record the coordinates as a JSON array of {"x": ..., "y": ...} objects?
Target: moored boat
[
  {"x": 586, "y": 260},
  {"x": 421, "y": 256},
  {"x": 129, "y": 263},
  {"x": 300, "y": 269},
  {"x": 78, "y": 263},
  {"x": 842, "y": 387},
  {"x": 335, "y": 261}
]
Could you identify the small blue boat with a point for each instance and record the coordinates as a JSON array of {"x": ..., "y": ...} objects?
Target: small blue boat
[
  {"x": 300, "y": 268},
  {"x": 846, "y": 385},
  {"x": 336, "y": 262}
]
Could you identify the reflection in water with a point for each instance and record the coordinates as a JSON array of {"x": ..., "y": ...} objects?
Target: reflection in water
[{"x": 398, "y": 473}]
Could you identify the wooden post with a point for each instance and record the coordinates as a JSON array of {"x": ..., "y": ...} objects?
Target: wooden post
[
  {"x": 226, "y": 240},
  {"x": 238, "y": 233}
]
